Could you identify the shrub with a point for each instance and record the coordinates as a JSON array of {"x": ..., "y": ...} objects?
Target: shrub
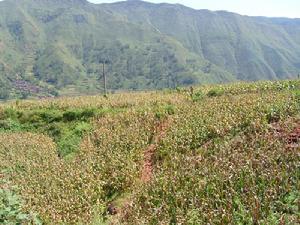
[
  {"x": 11, "y": 113},
  {"x": 164, "y": 111},
  {"x": 71, "y": 115},
  {"x": 215, "y": 93},
  {"x": 10, "y": 125},
  {"x": 50, "y": 116},
  {"x": 198, "y": 96},
  {"x": 76, "y": 114}
]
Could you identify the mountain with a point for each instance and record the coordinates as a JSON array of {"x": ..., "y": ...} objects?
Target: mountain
[
  {"x": 59, "y": 47},
  {"x": 248, "y": 47}
]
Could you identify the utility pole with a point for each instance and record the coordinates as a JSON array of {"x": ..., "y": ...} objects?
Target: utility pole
[
  {"x": 104, "y": 78},
  {"x": 103, "y": 62}
]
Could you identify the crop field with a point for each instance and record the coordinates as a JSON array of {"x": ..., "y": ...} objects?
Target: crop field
[{"x": 227, "y": 154}]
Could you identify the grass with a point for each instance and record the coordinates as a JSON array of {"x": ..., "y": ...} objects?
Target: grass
[
  {"x": 222, "y": 159},
  {"x": 65, "y": 126}
]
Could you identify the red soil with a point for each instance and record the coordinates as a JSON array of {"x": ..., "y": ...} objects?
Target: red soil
[
  {"x": 147, "y": 170},
  {"x": 291, "y": 138}
]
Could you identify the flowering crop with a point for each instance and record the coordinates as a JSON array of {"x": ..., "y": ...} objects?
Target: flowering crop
[{"x": 221, "y": 160}]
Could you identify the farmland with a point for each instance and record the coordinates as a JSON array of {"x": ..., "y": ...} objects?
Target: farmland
[{"x": 222, "y": 154}]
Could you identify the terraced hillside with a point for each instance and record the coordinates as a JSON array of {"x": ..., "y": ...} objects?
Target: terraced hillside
[{"x": 226, "y": 154}]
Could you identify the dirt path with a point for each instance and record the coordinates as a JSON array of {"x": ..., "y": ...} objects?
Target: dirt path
[{"x": 147, "y": 170}]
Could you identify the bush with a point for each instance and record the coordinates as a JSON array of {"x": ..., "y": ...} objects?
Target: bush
[
  {"x": 50, "y": 116},
  {"x": 82, "y": 128},
  {"x": 73, "y": 114},
  {"x": 4, "y": 94},
  {"x": 10, "y": 113},
  {"x": 215, "y": 93},
  {"x": 198, "y": 96},
  {"x": 163, "y": 111},
  {"x": 10, "y": 125}
]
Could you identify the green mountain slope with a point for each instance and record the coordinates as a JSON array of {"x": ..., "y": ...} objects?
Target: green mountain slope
[
  {"x": 56, "y": 47},
  {"x": 251, "y": 48}
]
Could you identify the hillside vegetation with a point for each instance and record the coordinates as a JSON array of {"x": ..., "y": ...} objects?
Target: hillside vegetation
[
  {"x": 225, "y": 154},
  {"x": 50, "y": 48}
]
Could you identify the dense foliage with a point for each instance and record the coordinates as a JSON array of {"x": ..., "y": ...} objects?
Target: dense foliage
[{"x": 223, "y": 158}]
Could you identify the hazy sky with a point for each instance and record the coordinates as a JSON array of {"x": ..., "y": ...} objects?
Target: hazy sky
[{"x": 273, "y": 8}]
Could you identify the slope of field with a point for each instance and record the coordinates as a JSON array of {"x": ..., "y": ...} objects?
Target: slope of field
[{"x": 225, "y": 154}]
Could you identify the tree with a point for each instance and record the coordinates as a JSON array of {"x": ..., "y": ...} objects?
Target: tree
[
  {"x": 4, "y": 94},
  {"x": 4, "y": 90}
]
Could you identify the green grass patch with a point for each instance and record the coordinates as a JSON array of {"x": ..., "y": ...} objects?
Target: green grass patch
[{"x": 66, "y": 127}]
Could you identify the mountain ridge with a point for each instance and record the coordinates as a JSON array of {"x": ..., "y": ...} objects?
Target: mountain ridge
[{"x": 57, "y": 46}]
